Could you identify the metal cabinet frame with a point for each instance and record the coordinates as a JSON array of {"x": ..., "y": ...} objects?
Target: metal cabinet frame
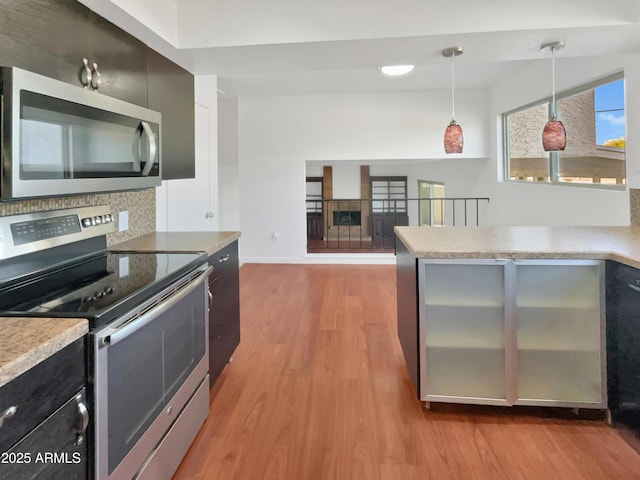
[{"x": 510, "y": 332}]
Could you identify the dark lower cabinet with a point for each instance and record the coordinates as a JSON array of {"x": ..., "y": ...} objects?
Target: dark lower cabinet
[
  {"x": 407, "y": 291},
  {"x": 224, "y": 316},
  {"x": 623, "y": 344},
  {"x": 45, "y": 438},
  {"x": 52, "y": 450}
]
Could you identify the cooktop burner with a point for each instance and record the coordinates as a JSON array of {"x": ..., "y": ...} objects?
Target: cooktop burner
[
  {"x": 56, "y": 264},
  {"x": 98, "y": 288}
]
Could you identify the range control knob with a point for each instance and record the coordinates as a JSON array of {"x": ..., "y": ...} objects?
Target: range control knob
[
  {"x": 107, "y": 218},
  {"x": 98, "y": 219},
  {"x": 86, "y": 222}
]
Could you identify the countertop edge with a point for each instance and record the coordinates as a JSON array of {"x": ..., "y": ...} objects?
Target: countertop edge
[
  {"x": 207, "y": 242},
  {"x": 22, "y": 363},
  {"x": 518, "y": 254}
]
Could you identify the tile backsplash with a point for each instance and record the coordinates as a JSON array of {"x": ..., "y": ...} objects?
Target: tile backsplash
[
  {"x": 140, "y": 204},
  {"x": 634, "y": 204}
]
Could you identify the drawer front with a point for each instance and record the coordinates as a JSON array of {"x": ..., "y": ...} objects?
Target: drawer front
[
  {"x": 224, "y": 260},
  {"x": 40, "y": 391},
  {"x": 49, "y": 452}
]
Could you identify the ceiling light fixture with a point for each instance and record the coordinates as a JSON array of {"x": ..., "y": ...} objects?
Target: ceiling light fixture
[
  {"x": 396, "y": 70},
  {"x": 453, "y": 139},
  {"x": 554, "y": 135}
]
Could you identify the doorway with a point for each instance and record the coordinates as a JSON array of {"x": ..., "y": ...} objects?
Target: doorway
[
  {"x": 431, "y": 211},
  {"x": 315, "y": 209}
]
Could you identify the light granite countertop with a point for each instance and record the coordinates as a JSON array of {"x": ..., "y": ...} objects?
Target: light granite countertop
[
  {"x": 209, "y": 242},
  {"x": 25, "y": 342},
  {"x": 607, "y": 243}
]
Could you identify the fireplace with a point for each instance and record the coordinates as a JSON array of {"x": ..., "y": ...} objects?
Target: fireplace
[{"x": 346, "y": 217}]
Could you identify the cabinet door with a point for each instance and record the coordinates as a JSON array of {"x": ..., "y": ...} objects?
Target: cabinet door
[
  {"x": 224, "y": 316},
  {"x": 52, "y": 37},
  {"x": 121, "y": 59},
  {"x": 171, "y": 92},
  {"x": 559, "y": 316},
  {"x": 40, "y": 391},
  {"x": 462, "y": 331},
  {"x": 52, "y": 450},
  {"x": 623, "y": 341},
  {"x": 49, "y": 37}
]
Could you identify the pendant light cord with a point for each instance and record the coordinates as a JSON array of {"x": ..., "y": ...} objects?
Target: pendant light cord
[
  {"x": 453, "y": 95},
  {"x": 553, "y": 82}
]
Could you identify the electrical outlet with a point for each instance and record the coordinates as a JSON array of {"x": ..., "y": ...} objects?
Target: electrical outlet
[{"x": 123, "y": 220}]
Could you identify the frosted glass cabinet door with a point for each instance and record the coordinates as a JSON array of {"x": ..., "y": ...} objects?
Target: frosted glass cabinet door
[
  {"x": 559, "y": 312},
  {"x": 462, "y": 331}
]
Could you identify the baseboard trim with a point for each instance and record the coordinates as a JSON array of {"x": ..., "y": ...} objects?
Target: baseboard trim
[{"x": 329, "y": 259}]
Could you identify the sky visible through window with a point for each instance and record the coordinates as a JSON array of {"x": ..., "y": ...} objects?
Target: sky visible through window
[{"x": 609, "y": 106}]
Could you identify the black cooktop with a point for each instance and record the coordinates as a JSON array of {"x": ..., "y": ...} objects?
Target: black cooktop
[{"x": 98, "y": 287}]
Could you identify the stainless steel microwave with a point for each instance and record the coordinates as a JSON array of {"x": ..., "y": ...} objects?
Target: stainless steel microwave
[{"x": 61, "y": 139}]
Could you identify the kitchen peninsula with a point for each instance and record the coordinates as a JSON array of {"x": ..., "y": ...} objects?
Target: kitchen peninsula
[{"x": 520, "y": 315}]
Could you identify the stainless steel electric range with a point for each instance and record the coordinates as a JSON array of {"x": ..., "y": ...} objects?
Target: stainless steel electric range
[{"x": 147, "y": 348}]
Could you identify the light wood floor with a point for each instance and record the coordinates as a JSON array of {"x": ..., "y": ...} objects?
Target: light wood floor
[{"x": 318, "y": 390}]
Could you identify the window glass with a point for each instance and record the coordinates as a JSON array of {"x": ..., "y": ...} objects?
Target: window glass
[{"x": 594, "y": 118}]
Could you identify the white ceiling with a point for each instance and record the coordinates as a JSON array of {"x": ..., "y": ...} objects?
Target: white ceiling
[{"x": 281, "y": 47}]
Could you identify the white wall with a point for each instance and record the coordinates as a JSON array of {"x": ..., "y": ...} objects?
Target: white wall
[
  {"x": 228, "y": 164},
  {"x": 155, "y": 22},
  {"x": 460, "y": 178},
  {"x": 536, "y": 204},
  {"x": 181, "y": 204},
  {"x": 278, "y": 134},
  {"x": 161, "y": 16}
]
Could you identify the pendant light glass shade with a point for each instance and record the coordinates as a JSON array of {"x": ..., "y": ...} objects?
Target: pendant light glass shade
[
  {"x": 453, "y": 138},
  {"x": 554, "y": 135}
]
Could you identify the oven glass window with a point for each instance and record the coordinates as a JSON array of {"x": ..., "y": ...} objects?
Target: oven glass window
[
  {"x": 148, "y": 367},
  {"x": 61, "y": 139}
]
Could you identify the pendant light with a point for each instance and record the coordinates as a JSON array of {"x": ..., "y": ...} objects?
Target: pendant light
[
  {"x": 453, "y": 139},
  {"x": 554, "y": 135}
]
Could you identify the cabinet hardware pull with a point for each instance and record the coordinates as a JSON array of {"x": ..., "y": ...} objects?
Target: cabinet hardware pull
[
  {"x": 151, "y": 148},
  {"x": 224, "y": 259},
  {"x": 210, "y": 298},
  {"x": 85, "y": 73},
  {"x": 7, "y": 414},
  {"x": 633, "y": 287},
  {"x": 84, "y": 419},
  {"x": 95, "y": 77}
]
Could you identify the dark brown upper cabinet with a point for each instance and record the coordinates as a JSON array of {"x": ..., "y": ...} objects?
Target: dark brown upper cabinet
[
  {"x": 51, "y": 37},
  {"x": 171, "y": 92},
  {"x": 122, "y": 62}
]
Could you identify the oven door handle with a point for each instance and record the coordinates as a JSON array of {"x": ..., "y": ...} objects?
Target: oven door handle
[{"x": 127, "y": 329}]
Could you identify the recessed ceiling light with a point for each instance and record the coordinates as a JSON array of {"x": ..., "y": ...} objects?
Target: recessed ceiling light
[{"x": 396, "y": 70}]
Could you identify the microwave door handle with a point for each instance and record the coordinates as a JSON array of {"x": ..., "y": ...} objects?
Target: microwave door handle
[{"x": 153, "y": 148}]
